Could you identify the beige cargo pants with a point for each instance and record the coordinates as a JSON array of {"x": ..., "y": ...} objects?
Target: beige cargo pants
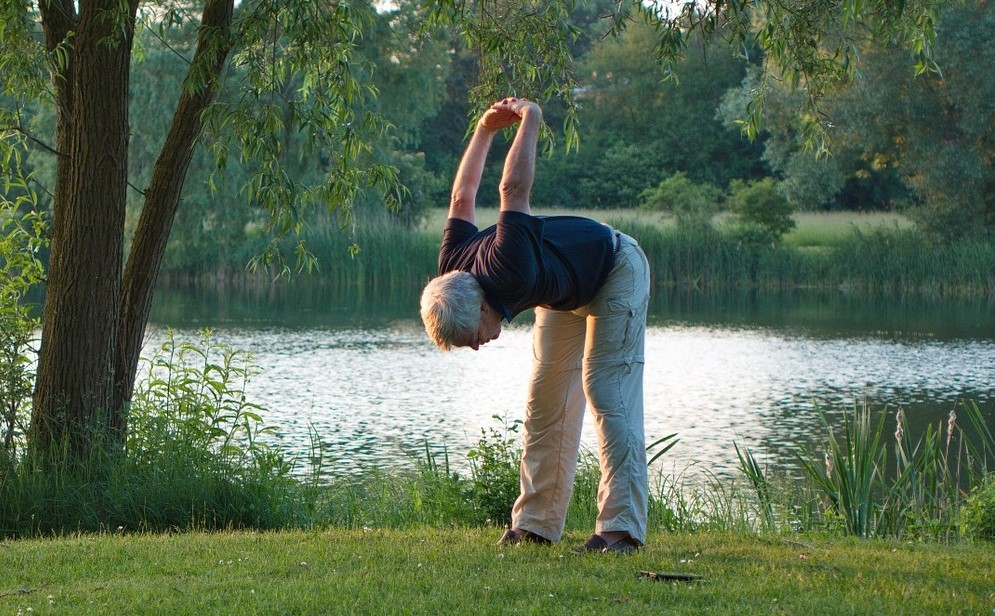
[{"x": 591, "y": 355}]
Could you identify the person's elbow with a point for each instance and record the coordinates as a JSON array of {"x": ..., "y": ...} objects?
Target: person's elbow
[
  {"x": 514, "y": 195},
  {"x": 461, "y": 205}
]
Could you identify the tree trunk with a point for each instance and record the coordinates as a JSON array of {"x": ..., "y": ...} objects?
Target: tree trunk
[
  {"x": 75, "y": 363},
  {"x": 162, "y": 199}
]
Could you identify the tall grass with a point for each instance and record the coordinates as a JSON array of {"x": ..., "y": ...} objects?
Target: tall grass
[
  {"x": 864, "y": 255},
  {"x": 889, "y": 261},
  {"x": 195, "y": 458},
  {"x": 852, "y": 487}
]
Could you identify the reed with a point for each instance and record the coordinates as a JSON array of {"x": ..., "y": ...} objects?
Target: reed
[
  {"x": 882, "y": 261},
  {"x": 924, "y": 493},
  {"x": 863, "y": 253}
]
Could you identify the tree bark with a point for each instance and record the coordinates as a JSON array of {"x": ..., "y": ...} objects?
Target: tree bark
[
  {"x": 162, "y": 199},
  {"x": 74, "y": 379}
]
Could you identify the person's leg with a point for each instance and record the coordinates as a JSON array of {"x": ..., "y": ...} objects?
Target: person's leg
[
  {"x": 613, "y": 384},
  {"x": 554, "y": 418}
]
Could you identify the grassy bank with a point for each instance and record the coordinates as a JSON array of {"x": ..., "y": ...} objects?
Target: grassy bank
[
  {"x": 873, "y": 253},
  {"x": 460, "y": 571}
]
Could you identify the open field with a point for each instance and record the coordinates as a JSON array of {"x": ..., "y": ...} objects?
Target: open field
[{"x": 461, "y": 571}]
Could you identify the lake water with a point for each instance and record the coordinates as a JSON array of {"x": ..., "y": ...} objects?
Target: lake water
[{"x": 355, "y": 367}]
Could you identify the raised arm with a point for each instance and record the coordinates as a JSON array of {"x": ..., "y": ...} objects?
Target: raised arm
[
  {"x": 463, "y": 201},
  {"x": 520, "y": 164}
]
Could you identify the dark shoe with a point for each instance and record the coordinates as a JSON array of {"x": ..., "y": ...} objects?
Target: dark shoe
[
  {"x": 515, "y": 537},
  {"x": 597, "y": 543}
]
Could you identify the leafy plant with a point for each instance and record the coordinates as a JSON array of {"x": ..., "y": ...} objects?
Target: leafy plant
[
  {"x": 850, "y": 479},
  {"x": 925, "y": 493},
  {"x": 494, "y": 464},
  {"x": 977, "y": 516},
  {"x": 192, "y": 397},
  {"x": 761, "y": 487}
]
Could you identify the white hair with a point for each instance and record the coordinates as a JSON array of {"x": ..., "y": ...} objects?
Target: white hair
[{"x": 450, "y": 308}]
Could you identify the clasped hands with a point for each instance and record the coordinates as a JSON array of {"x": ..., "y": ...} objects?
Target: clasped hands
[{"x": 506, "y": 112}]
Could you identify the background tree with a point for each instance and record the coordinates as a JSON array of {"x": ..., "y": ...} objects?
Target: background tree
[
  {"x": 934, "y": 131},
  {"x": 762, "y": 214},
  {"x": 919, "y": 142}
]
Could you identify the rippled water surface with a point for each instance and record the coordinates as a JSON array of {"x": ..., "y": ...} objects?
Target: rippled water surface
[{"x": 751, "y": 370}]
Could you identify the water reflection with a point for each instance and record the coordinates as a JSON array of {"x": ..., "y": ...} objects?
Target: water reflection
[{"x": 749, "y": 368}]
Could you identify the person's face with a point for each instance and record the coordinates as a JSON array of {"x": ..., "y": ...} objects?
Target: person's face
[{"x": 489, "y": 328}]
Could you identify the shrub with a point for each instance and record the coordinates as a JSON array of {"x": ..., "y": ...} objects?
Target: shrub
[
  {"x": 692, "y": 204},
  {"x": 194, "y": 460},
  {"x": 763, "y": 213}
]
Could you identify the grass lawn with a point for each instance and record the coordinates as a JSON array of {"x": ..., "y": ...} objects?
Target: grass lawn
[{"x": 461, "y": 571}]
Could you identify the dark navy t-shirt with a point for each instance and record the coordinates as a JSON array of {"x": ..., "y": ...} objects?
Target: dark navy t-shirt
[{"x": 525, "y": 261}]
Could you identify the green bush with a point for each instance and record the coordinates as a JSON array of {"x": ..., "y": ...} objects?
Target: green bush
[
  {"x": 692, "y": 204},
  {"x": 763, "y": 213},
  {"x": 977, "y": 516}
]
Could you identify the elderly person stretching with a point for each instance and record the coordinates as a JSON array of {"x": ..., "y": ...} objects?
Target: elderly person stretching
[{"x": 589, "y": 285}]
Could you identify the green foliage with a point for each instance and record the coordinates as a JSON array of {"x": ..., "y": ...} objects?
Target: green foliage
[
  {"x": 195, "y": 459},
  {"x": 763, "y": 213},
  {"x": 494, "y": 464},
  {"x": 762, "y": 488},
  {"x": 616, "y": 181},
  {"x": 692, "y": 204},
  {"x": 192, "y": 397},
  {"x": 934, "y": 129},
  {"x": 977, "y": 516},
  {"x": 524, "y": 50},
  {"x": 900, "y": 138},
  {"x": 23, "y": 235}
]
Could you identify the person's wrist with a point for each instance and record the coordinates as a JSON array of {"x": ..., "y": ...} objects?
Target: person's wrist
[{"x": 532, "y": 109}]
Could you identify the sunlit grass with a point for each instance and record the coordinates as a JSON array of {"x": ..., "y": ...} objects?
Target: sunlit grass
[
  {"x": 460, "y": 571},
  {"x": 828, "y": 228}
]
